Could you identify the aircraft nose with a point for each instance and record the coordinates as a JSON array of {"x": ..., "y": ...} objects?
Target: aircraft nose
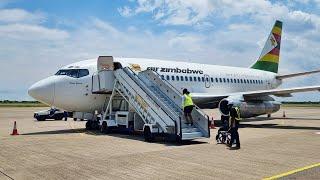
[{"x": 43, "y": 91}]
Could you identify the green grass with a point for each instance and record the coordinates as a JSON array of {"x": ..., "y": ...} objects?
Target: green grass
[
  {"x": 300, "y": 105},
  {"x": 24, "y": 104}
]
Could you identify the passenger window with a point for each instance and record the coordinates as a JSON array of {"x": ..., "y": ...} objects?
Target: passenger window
[
  {"x": 190, "y": 78},
  {"x": 162, "y": 77},
  {"x": 245, "y": 81},
  {"x": 202, "y": 79},
  {"x": 168, "y": 78},
  {"x": 220, "y": 80},
  {"x": 199, "y": 79},
  {"x": 238, "y": 81},
  {"x": 216, "y": 79},
  {"x": 224, "y": 80},
  {"x": 177, "y": 78},
  {"x": 250, "y": 81},
  {"x": 194, "y": 78},
  {"x": 231, "y": 80},
  {"x": 211, "y": 79},
  {"x": 186, "y": 78},
  {"x": 241, "y": 81},
  {"x": 227, "y": 80},
  {"x": 181, "y": 77},
  {"x": 172, "y": 78}
]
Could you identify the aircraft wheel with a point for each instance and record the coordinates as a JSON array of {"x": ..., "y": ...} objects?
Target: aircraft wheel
[
  {"x": 88, "y": 125},
  {"x": 148, "y": 137},
  {"x": 94, "y": 125},
  {"x": 75, "y": 119},
  {"x": 104, "y": 128}
]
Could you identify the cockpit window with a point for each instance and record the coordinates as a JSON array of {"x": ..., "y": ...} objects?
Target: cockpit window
[
  {"x": 83, "y": 72},
  {"x": 75, "y": 73}
]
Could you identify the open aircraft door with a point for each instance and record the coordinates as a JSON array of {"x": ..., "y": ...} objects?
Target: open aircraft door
[
  {"x": 207, "y": 81},
  {"x": 103, "y": 81}
]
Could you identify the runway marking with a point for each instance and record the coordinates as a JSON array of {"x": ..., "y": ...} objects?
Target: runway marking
[
  {"x": 318, "y": 133},
  {"x": 292, "y": 172}
]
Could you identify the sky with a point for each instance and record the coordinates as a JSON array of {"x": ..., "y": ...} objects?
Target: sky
[{"x": 37, "y": 37}]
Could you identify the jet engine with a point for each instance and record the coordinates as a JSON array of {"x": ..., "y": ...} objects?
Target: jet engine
[{"x": 249, "y": 108}]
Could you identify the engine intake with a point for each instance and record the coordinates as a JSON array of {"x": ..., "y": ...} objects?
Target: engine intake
[{"x": 249, "y": 108}]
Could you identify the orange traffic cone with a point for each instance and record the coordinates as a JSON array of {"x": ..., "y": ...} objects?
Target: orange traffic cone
[
  {"x": 284, "y": 114},
  {"x": 212, "y": 126},
  {"x": 15, "y": 130}
]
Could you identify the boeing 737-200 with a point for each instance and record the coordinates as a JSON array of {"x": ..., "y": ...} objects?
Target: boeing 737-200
[{"x": 211, "y": 86}]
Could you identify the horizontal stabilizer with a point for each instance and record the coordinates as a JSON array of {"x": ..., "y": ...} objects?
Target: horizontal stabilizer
[{"x": 297, "y": 74}]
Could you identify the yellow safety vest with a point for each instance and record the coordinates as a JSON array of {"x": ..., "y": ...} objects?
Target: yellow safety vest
[
  {"x": 187, "y": 101},
  {"x": 238, "y": 113}
]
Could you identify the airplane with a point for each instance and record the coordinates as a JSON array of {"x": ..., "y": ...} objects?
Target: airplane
[{"x": 211, "y": 86}]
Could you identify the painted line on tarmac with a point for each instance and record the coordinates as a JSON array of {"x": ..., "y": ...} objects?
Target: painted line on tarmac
[
  {"x": 6, "y": 175},
  {"x": 292, "y": 172}
]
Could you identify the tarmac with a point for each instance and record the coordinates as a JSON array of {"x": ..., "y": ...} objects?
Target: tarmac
[{"x": 285, "y": 148}]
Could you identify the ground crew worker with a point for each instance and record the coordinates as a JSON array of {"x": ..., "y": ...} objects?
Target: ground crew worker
[
  {"x": 233, "y": 126},
  {"x": 187, "y": 106}
]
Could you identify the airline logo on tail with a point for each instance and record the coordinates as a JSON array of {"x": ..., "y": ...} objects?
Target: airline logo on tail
[{"x": 269, "y": 58}]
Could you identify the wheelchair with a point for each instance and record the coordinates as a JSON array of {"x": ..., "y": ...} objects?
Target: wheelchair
[{"x": 223, "y": 137}]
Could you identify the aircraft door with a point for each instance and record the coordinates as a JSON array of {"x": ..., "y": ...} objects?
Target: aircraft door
[
  {"x": 207, "y": 82},
  {"x": 105, "y": 72}
]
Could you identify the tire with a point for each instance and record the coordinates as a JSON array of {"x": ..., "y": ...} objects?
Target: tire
[
  {"x": 75, "y": 119},
  {"x": 94, "y": 125},
  {"x": 178, "y": 139},
  {"x": 88, "y": 125},
  {"x": 104, "y": 128},
  {"x": 148, "y": 137}
]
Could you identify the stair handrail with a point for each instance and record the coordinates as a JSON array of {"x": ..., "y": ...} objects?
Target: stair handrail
[
  {"x": 144, "y": 88},
  {"x": 167, "y": 82},
  {"x": 154, "y": 102},
  {"x": 178, "y": 92}
]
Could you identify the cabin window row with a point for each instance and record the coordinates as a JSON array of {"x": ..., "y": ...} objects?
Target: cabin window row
[{"x": 217, "y": 80}]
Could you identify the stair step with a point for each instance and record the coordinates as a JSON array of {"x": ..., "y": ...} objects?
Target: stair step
[
  {"x": 192, "y": 135},
  {"x": 190, "y": 129}
]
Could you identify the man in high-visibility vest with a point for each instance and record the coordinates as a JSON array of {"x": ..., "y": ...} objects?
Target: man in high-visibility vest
[
  {"x": 233, "y": 126},
  {"x": 187, "y": 106}
]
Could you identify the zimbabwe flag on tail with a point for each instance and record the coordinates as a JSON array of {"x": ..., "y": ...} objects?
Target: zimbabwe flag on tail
[{"x": 269, "y": 58}]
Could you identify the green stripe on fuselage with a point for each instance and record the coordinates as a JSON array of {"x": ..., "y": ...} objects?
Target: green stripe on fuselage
[{"x": 266, "y": 66}]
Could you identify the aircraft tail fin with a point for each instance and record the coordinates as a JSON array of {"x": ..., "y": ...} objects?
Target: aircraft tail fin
[{"x": 269, "y": 57}]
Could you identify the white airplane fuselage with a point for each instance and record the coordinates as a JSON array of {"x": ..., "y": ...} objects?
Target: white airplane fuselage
[{"x": 74, "y": 93}]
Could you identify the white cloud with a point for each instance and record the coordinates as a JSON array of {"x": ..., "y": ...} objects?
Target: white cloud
[
  {"x": 173, "y": 12},
  {"x": 20, "y": 15},
  {"x": 125, "y": 11},
  {"x": 36, "y": 51},
  {"x": 31, "y": 32}
]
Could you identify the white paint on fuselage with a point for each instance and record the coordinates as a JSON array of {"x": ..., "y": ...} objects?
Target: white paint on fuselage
[{"x": 74, "y": 94}]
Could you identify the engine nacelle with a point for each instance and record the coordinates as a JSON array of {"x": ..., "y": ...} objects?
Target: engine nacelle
[{"x": 249, "y": 108}]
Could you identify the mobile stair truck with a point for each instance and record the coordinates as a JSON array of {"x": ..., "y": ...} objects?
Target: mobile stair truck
[{"x": 144, "y": 101}]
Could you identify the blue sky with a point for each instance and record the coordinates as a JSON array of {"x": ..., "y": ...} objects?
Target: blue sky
[{"x": 40, "y": 36}]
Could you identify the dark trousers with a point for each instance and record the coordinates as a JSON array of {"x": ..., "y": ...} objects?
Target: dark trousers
[{"x": 235, "y": 136}]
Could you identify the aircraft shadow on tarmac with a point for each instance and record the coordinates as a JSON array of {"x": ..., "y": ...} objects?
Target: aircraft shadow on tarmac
[
  {"x": 275, "y": 118},
  {"x": 131, "y": 136},
  {"x": 277, "y": 126},
  {"x": 64, "y": 131}
]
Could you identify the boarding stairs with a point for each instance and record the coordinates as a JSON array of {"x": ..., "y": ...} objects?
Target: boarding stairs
[{"x": 158, "y": 103}]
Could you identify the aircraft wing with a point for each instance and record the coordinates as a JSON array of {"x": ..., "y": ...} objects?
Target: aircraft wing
[
  {"x": 213, "y": 99},
  {"x": 281, "y": 92}
]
